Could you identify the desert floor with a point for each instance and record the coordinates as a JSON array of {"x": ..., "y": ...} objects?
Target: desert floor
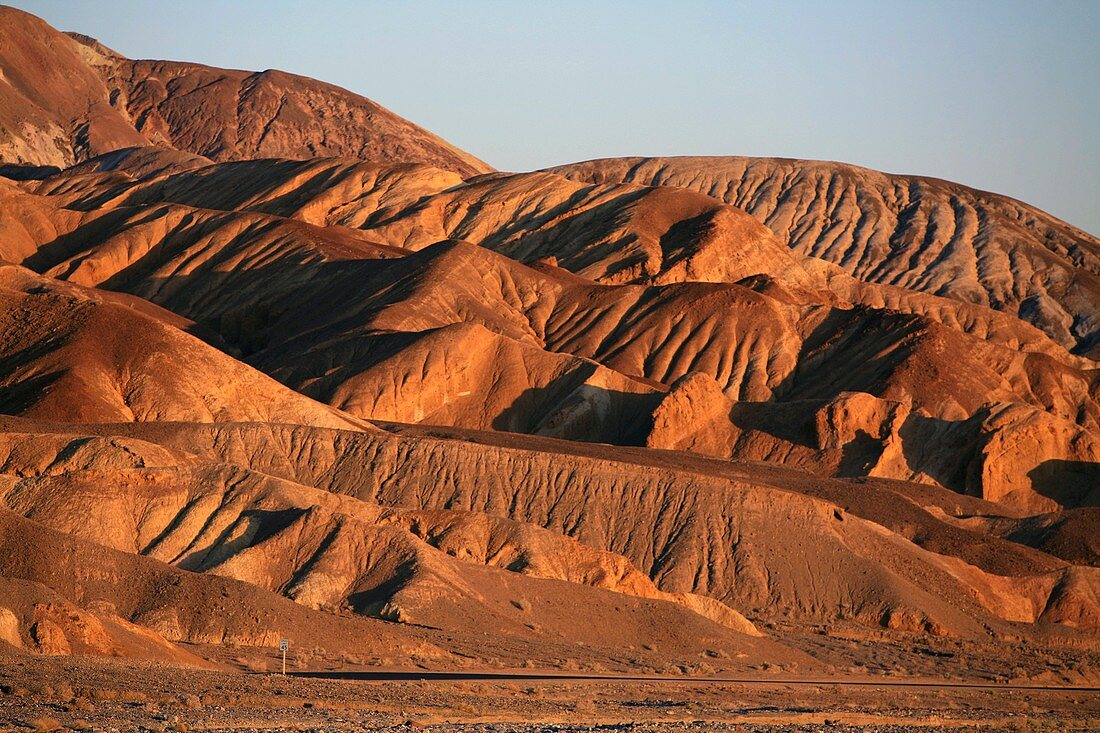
[{"x": 109, "y": 695}]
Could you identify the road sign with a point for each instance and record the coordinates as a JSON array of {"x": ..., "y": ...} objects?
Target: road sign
[{"x": 284, "y": 644}]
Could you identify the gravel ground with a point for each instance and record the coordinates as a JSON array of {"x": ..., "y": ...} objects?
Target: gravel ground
[{"x": 110, "y": 695}]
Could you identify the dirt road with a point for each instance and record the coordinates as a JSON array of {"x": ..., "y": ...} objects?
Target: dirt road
[{"x": 428, "y": 676}]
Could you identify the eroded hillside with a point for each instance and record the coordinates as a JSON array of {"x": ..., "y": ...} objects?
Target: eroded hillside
[
  {"x": 65, "y": 98},
  {"x": 274, "y": 361},
  {"x": 328, "y": 275},
  {"x": 922, "y": 234}
]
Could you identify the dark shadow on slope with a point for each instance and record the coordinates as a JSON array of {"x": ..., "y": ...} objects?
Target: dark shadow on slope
[
  {"x": 570, "y": 409},
  {"x": 945, "y": 449},
  {"x": 1070, "y": 483},
  {"x": 18, "y": 172},
  {"x": 17, "y": 398},
  {"x": 790, "y": 421},
  {"x": 259, "y": 525},
  {"x": 81, "y": 239},
  {"x": 1072, "y": 535},
  {"x": 241, "y": 311},
  {"x": 849, "y": 351},
  {"x": 369, "y": 601},
  {"x": 859, "y": 455}
]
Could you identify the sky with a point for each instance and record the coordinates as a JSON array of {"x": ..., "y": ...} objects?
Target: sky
[{"x": 997, "y": 94}]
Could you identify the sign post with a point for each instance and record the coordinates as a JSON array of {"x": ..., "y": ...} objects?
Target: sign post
[{"x": 284, "y": 644}]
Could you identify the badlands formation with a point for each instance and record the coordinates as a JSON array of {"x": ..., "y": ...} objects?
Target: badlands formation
[{"x": 277, "y": 363}]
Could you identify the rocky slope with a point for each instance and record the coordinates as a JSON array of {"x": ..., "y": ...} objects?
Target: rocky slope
[
  {"x": 692, "y": 525},
  {"x": 66, "y": 98},
  {"x": 64, "y": 595},
  {"x": 455, "y": 570},
  {"x": 391, "y": 328},
  {"x": 80, "y": 355},
  {"x": 271, "y": 356},
  {"x": 923, "y": 234}
]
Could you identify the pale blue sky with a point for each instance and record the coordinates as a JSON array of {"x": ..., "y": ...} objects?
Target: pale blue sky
[{"x": 1001, "y": 95}]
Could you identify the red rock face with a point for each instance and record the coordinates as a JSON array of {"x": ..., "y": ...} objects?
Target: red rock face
[{"x": 263, "y": 330}]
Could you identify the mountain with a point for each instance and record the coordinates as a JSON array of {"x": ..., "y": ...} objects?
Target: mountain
[
  {"x": 233, "y": 501},
  {"x": 76, "y": 355},
  {"x": 718, "y": 339},
  {"x": 65, "y": 98},
  {"x": 918, "y": 233},
  {"x": 275, "y": 362}
]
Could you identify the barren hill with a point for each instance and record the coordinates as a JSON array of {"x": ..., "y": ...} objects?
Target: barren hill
[
  {"x": 923, "y": 234},
  {"x": 88, "y": 356},
  {"x": 63, "y": 595},
  {"x": 770, "y": 360},
  {"x": 274, "y": 360},
  {"x": 66, "y": 98}
]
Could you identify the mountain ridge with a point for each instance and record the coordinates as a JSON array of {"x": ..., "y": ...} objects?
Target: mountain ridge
[{"x": 88, "y": 100}]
